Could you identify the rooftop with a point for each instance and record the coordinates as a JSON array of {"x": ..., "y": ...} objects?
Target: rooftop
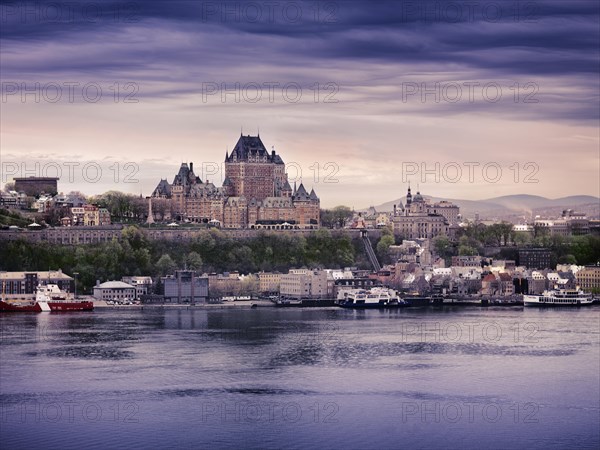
[
  {"x": 113, "y": 285},
  {"x": 52, "y": 274}
]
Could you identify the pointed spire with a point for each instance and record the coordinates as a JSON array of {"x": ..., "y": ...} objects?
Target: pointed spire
[{"x": 302, "y": 190}]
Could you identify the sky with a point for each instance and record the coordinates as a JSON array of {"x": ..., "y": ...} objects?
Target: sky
[{"x": 463, "y": 99}]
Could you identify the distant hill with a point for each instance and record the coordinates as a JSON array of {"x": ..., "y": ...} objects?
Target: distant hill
[{"x": 515, "y": 206}]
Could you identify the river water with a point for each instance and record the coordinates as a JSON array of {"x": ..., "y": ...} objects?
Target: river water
[{"x": 301, "y": 378}]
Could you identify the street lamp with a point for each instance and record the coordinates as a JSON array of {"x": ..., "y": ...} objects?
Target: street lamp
[{"x": 75, "y": 274}]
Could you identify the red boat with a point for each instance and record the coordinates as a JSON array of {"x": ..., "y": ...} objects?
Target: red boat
[{"x": 48, "y": 298}]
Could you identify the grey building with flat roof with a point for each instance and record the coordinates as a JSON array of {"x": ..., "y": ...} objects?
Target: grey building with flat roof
[{"x": 185, "y": 287}]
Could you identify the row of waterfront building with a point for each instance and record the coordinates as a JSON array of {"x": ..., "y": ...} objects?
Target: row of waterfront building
[{"x": 494, "y": 278}]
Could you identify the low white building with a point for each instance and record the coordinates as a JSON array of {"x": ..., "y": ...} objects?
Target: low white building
[{"x": 115, "y": 291}]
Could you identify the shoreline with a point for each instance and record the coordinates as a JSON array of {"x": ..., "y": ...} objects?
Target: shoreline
[{"x": 242, "y": 304}]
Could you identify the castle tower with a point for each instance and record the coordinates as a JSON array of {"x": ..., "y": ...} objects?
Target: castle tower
[{"x": 252, "y": 171}]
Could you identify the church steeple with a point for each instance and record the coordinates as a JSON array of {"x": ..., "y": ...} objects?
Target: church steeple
[{"x": 408, "y": 197}]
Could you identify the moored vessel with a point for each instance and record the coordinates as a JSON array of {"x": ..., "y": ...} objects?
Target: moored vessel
[
  {"x": 559, "y": 297},
  {"x": 48, "y": 298},
  {"x": 374, "y": 298}
]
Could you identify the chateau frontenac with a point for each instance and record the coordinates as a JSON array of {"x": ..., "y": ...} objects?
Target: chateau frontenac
[{"x": 256, "y": 192}]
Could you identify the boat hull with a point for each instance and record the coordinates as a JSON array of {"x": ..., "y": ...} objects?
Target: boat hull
[
  {"x": 54, "y": 306},
  {"x": 71, "y": 306},
  {"x": 556, "y": 305},
  {"x": 380, "y": 305},
  {"x": 418, "y": 302},
  {"x": 12, "y": 307},
  {"x": 305, "y": 303}
]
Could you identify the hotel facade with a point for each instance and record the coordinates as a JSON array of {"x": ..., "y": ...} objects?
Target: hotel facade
[{"x": 255, "y": 193}]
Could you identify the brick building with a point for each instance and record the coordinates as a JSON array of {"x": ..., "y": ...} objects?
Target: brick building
[
  {"x": 255, "y": 194},
  {"x": 34, "y": 186}
]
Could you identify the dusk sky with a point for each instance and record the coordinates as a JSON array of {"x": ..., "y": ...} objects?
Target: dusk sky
[{"x": 402, "y": 85}]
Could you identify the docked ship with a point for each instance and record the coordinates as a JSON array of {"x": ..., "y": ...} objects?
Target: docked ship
[
  {"x": 373, "y": 298},
  {"x": 49, "y": 298},
  {"x": 559, "y": 297}
]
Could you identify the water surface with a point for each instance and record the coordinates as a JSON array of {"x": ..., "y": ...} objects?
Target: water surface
[{"x": 301, "y": 378}]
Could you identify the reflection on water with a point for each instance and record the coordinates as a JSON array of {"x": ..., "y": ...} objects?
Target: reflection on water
[{"x": 301, "y": 378}]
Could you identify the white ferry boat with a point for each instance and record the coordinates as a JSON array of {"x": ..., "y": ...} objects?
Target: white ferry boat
[
  {"x": 559, "y": 297},
  {"x": 373, "y": 298}
]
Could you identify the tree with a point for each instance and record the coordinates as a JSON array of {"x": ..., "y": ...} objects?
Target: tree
[
  {"x": 242, "y": 258},
  {"x": 138, "y": 208},
  {"x": 567, "y": 259},
  {"x": 505, "y": 230},
  {"x": 193, "y": 261},
  {"x": 443, "y": 248},
  {"x": 466, "y": 247},
  {"x": 383, "y": 247},
  {"x": 122, "y": 206},
  {"x": 10, "y": 186},
  {"x": 387, "y": 231},
  {"x": 77, "y": 194},
  {"x": 327, "y": 218},
  {"x": 53, "y": 215},
  {"x": 465, "y": 250},
  {"x": 160, "y": 207},
  {"x": 341, "y": 215},
  {"x": 134, "y": 237},
  {"x": 522, "y": 238},
  {"x": 165, "y": 265},
  {"x": 250, "y": 286}
]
